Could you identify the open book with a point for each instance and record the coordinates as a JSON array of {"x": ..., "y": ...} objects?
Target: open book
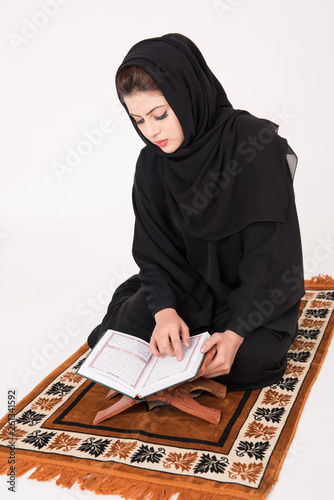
[{"x": 126, "y": 364}]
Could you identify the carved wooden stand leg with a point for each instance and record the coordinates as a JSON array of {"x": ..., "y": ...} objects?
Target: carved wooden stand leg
[
  {"x": 181, "y": 399},
  {"x": 178, "y": 396}
]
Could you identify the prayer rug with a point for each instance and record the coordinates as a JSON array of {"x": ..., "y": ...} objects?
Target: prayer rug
[{"x": 154, "y": 454}]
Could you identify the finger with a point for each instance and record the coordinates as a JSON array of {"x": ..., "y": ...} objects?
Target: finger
[
  {"x": 185, "y": 334},
  {"x": 216, "y": 368},
  {"x": 154, "y": 348},
  {"x": 209, "y": 343},
  {"x": 177, "y": 346},
  {"x": 168, "y": 348},
  {"x": 216, "y": 373},
  {"x": 165, "y": 345}
]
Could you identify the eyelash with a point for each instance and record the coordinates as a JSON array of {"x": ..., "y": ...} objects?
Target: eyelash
[{"x": 161, "y": 117}]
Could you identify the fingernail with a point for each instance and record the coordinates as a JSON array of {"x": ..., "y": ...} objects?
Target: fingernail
[
  {"x": 204, "y": 348},
  {"x": 178, "y": 358}
]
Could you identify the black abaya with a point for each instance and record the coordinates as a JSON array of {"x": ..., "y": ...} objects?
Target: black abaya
[
  {"x": 216, "y": 232},
  {"x": 256, "y": 273},
  {"x": 250, "y": 282}
]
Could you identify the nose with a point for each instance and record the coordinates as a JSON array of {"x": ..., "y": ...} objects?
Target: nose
[{"x": 152, "y": 129}]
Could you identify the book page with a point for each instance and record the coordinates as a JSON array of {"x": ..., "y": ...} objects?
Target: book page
[
  {"x": 122, "y": 357},
  {"x": 164, "y": 368}
]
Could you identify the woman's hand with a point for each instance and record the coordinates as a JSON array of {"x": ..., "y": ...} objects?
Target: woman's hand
[
  {"x": 227, "y": 344},
  {"x": 165, "y": 338}
]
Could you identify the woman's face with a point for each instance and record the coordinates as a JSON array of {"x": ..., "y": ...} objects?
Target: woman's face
[{"x": 155, "y": 119}]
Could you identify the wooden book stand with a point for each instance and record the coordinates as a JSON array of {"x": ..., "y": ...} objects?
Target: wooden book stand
[{"x": 178, "y": 395}]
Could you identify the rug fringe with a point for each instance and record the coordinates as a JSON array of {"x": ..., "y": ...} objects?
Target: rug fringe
[
  {"x": 320, "y": 279},
  {"x": 105, "y": 484},
  {"x": 20, "y": 469}
]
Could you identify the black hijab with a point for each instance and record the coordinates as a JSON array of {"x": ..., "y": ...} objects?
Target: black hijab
[{"x": 232, "y": 168}]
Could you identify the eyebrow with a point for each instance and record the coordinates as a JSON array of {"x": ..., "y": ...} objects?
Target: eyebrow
[{"x": 150, "y": 111}]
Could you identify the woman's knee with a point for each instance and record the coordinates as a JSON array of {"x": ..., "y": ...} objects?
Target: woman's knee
[
  {"x": 128, "y": 313},
  {"x": 94, "y": 336}
]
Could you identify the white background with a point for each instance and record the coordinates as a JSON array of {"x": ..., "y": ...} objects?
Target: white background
[{"x": 65, "y": 238}]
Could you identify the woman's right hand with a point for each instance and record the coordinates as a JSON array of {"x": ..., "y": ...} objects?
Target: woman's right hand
[{"x": 166, "y": 335}]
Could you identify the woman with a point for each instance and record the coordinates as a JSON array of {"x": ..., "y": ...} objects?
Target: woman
[{"x": 216, "y": 234}]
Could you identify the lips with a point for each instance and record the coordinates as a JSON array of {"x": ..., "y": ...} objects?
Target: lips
[{"x": 162, "y": 143}]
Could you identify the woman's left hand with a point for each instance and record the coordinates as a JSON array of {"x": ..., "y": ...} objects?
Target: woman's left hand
[{"x": 227, "y": 344}]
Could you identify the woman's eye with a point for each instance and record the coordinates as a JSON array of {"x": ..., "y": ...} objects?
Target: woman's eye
[
  {"x": 161, "y": 116},
  {"x": 139, "y": 122}
]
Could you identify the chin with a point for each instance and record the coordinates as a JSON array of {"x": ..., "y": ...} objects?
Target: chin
[{"x": 171, "y": 148}]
